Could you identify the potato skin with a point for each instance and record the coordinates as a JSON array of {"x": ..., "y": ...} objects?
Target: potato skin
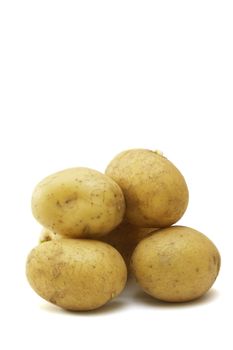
[
  {"x": 76, "y": 274},
  {"x": 78, "y": 202},
  {"x": 155, "y": 191},
  {"x": 176, "y": 264},
  {"x": 125, "y": 237}
]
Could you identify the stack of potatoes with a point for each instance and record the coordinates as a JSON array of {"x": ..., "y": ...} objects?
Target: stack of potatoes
[{"x": 98, "y": 228}]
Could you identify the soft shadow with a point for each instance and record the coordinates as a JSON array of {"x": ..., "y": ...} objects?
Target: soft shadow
[
  {"x": 146, "y": 299},
  {"x": 111, "y": 307}
]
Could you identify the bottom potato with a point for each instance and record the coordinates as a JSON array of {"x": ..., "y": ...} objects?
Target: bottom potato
[
  {"x": 76, "y": 274},
  {"x": 176, "y": 264}
]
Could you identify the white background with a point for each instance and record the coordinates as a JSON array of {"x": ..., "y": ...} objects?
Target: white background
[{"x": 81, "y": 81}]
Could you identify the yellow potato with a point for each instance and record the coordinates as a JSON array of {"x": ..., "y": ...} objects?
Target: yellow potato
[
  {"x": 176, "y": 264},
  {"x": 76, "y": 274},
  {"x": 125, "y": 238},
  {"x": 78, "y": 202},
  {"x": 155, "y": 191}
]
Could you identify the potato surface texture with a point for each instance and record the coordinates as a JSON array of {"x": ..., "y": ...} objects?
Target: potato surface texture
[
  {"x": 48, "y": 235},
  {"x": 125, "y": 238},
  {"x": 155, "y": 191},
  {"x": 176, "y": 264},
  {"x": 78, "y": 202},
  {"x": 76, "y": 274}
]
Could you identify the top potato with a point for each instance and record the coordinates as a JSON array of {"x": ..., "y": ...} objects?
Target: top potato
[
  {"x": 155, "y": 191},
  {"x": 78, "y": 202}
]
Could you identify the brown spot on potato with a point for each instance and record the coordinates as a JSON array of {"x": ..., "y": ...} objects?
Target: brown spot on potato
[
  {"x": 71, "y": 199},
  {"x": 86, "y": 229},
  {"x": 56, "y": 271},
  {"x": 53, "y": 300}
]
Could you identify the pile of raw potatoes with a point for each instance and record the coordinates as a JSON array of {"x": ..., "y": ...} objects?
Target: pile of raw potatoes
[{"x": 99, "y": 228}]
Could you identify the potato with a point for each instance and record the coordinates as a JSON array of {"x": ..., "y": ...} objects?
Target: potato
[
  {"x": 125, "y": 238},
  {"x": 176, "y": 264},
  {"x": 155, "y": 191},
  {"x": 78, "y": 202},
  {"x": 76, "y": 274}
]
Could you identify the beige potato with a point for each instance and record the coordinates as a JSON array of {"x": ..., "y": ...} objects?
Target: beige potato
[
  {"x": 155, "y": 191},
  {"x": 176, "y": 264},
  {"x": 78, "y": 202},
  {"x": 76, "y": 274},
  {"x": 125, "y": 238}
]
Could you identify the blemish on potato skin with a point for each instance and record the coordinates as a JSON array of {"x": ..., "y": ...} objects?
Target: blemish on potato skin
[
  {"x": 53, "y": 300},
  {"x": 56, "y": 272},
  {"x": 86, "y": 229},
  {"x": 197, "y": 269},
  {"x": 56, "y": 296}
]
